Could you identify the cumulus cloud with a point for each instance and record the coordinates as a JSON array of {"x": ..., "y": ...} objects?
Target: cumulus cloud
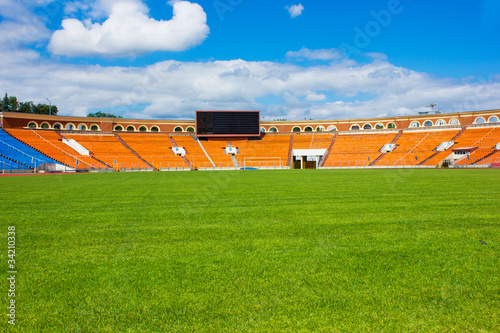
[
  {"x": 128, "y": 30},
  {"x": 295, "y": 10},
  {"x": 175, "y": 89}
]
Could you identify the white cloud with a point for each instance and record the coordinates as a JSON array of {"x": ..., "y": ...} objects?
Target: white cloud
[
  {"x": 295, "y": 10},
  {"x": 314, "y": 97},
  {"x": 128, "y": 31},
  {"x": 17, "y": 33},
  {"x": 321, "y": 54},
  {"x": 10, "y": 9},
  {"x": 20, "y": 26},
  {"x": 174, "y": 89},
  {"x": 75, "y": 7}
]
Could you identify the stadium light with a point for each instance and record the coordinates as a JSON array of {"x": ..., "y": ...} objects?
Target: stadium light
[
  {"x": 432, "y": 106},
  {"x": 50, "y": 106}
]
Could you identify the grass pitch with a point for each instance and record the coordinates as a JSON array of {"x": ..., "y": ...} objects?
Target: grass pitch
[{"x": 255, "y": 251}]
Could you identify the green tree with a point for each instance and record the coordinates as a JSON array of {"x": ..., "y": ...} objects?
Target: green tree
[
  {"x": 100, "y": 114},
  {"x": 45, "y": 109},
  {"x": 4, "y": 104},
  {"x": 11, "y": 104},
  {"x": 26, "y": 107}
]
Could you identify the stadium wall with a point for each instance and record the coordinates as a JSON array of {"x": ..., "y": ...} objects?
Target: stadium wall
[{"x": 106, "y": 125}]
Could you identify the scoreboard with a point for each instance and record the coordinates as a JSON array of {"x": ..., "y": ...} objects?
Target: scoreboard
[{"x": 227, "y": 123}]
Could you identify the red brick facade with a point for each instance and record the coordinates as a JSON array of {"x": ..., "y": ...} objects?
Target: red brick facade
[{"x": 21, "y": 120}]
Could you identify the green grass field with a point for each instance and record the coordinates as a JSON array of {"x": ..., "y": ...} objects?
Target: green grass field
[{"x": 254, "y": 251}]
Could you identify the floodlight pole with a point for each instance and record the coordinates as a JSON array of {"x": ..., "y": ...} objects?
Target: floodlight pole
[{"x": 50, "y": 106}]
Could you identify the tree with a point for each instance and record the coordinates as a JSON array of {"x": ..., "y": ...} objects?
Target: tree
[
  {"x": 45, "y": 109},
  {"x": 100, "y": 114},
  {"x": 11, "y": 104},
  {"x": 4, "y": 106},
  {"x": 26, "y": 107}
]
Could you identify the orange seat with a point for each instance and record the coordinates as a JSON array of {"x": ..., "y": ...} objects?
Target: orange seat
[
  {"x": 108, "y": 149},
  {"x": 414, "y": 147},
  {"x": 50, "y": 143},
  {"x": 357, "y": 149}
]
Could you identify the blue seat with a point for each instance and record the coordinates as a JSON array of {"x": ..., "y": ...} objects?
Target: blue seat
[
  {"x": 6, "y": 164},
  {"x": 12, "y": 149}
]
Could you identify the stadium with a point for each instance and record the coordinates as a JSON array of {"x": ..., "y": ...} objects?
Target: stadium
[
  {"x": 235, "y": 166},
  {"x": 383, "y": 224},
  {"x": 238, "y": 139}
]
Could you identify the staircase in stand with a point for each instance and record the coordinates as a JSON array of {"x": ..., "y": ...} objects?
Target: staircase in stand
[
  {"x": 290, "y": 151},
  {"x": 133, "y": 152},
  {"x": 98, "y": 160},
  {"x": 323, "y": 161},
  {"x": 458, "y": 134},
  {"x": 479, "y": 160},
  {"x": 411, "y": 150},
  {"x": 184, "y": 158},
  {"x": 204, "y": 151},
  {"x": 396, "y": 138},
  {"x": 235, "y": 161},
  {"x": 428, "y": 158},
  {"x": 233, "y": 158},
  {"x": 375, "y": 161},
  {"x": 437, "y": 152}
]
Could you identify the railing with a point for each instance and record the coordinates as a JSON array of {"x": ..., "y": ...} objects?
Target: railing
[
  {"x": 16, "y": 167},
  {"x": 216, "y": 166},
  {"x": 484, "y": 125},
  {"x": 13, "y": 167},
  {"x": 264, "y": 165},
  {"x": 366, "y": 164}
]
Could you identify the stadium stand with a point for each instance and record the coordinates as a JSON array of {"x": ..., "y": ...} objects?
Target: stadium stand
[
  {"x": 470, "y": 139},
  {"x": 357, "y": 149},
  {"x": 438, "y": 156},
  {"x": 50, "y": 143},
  {"x": 494, "y": 157},
  {"x": 484, "y": 139},
  {"x": 215, "y": 149},
  {"x": 20, "y": 153},
  {"x": 414, "y": 147},
  {"x": 155, "y": 148},
  {"x": 126, "y": 145},
  {"x": 194, "y": 152},
  {"x": 312, "y": 141},
  {"x": 108, "y": 149},
  {"x": 271, "y": 151}
]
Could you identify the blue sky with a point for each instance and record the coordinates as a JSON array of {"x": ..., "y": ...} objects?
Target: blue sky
[{"x": 294, "y": 60}]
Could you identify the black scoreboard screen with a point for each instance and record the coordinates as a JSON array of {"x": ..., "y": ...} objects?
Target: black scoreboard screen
[{"x": 227, "y": 123}]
